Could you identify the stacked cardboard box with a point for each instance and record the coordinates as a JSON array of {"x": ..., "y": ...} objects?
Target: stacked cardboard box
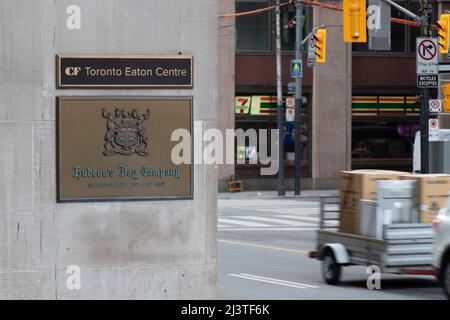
[
  {"x": 433, "y": 192},
  {"x": 360, "y": 185}
]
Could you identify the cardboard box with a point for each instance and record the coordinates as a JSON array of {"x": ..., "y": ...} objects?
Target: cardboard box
[
  {"x": 433, "y": 193},
  {"x": 348, "y": 222},
  {"x": 360, "y": 185},
  {"x": 364, "y": 181},
  {"x": 428, "y": 216}
]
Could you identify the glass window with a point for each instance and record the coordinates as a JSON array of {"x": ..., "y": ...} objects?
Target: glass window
[
  {"x": 253, "y": 31},
  {"x": 398, "y": 31}
]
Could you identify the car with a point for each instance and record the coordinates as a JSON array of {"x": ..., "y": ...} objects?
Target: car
[{"x": 441, "y": 259}]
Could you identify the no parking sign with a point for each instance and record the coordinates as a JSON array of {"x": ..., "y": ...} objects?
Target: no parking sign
[
  {"x": 435, "y": 105},
  {"x": 433, "y": 130}
]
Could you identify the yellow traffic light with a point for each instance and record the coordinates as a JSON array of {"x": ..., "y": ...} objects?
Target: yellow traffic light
[
  {"x": 354, "y": 20},
  {"x": 320, "y": 38},
  {"x": 446, "y": 97},
  {"x": 443, "y": 32}
]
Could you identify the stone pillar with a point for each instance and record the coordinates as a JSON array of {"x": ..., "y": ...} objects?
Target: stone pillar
[
  {"x": 126, "y": 250},
  {"x": 331, "y": 108},
  {"x": 227, "y": 41}
]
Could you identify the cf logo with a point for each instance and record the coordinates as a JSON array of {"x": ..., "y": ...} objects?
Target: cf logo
[{"x": 72, "y": 71}]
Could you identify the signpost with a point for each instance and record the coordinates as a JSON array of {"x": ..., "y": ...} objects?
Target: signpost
[
  {"x": 291, "y": 87},
  {"x": 296, "y": 69},
  {"x": 427, "y": 81},
  {"x": 433, "y": 133},
  {"x": 290, "y": 109},
  {"x": 435, "y": 105},
  {"x": 426, "y": 56},
  {"x": 427, "y": 67},
  {"x": 312, "y": 52}
]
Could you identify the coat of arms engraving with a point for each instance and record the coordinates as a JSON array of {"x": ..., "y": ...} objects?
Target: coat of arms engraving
[{"x": 126, "y": 132}]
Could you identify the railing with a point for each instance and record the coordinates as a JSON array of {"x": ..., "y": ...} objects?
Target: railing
[{"x": 325, "y": 203}]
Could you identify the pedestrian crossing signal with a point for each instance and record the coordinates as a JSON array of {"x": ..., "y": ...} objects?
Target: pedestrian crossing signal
[
  {"x": 320, "y": 38},
  {"x": 443, "y": 32}
]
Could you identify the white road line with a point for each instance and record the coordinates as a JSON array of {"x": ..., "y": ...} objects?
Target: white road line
[
  {"x": 242, "y": 223},
  {"x": 270, "y": 229},
  {"x": 274, "y": 220},
  {"x": 273, "y": 281},
  {"x": 284, "y": 281},
  {"x": 314, "y": 219},
  {"x": 314, "y": 209}
]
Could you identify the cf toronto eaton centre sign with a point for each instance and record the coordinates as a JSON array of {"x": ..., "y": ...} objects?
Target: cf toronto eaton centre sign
[
  {"x": 120, "y": 148},
  {"x": 123, "y": 71}
]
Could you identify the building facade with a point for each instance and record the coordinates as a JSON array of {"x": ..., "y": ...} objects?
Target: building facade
[
  {"x": 361, "y": 107},
  {"x": 109, "y": 249}
]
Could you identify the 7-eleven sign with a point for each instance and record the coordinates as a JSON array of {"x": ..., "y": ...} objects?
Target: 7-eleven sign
[{"x": 242, "y": 105}]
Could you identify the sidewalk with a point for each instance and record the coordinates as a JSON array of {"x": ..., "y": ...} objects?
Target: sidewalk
[{"x": 274, "y": 194}]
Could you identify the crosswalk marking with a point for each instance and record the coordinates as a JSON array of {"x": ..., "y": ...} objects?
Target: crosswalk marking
[
  {"x": 285, "y": 283},
  {"x": 268, "y": 215},
  {"x": 289, "y": 210},
  {"x": 276, "y": 220},
  {"x": 287, "y": 216},
  {"x": 243, "y": 223},
  {"x": 270, "y": 229}
]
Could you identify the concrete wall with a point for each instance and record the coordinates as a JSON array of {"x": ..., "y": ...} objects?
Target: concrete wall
[
  {"x": 130, "y": 250},
  {"x": 331, "y": 113},
  {"x": 227, "y": 41}
]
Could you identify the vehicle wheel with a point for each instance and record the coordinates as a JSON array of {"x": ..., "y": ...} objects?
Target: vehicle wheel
[
  {"x": 445, "y": 279},
  {"x": 331, "y": 270}
]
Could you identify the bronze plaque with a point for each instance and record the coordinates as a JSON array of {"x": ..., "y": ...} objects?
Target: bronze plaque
[
  {"x": 123, "y": 71},
  {"x": 119, "y": 148}
]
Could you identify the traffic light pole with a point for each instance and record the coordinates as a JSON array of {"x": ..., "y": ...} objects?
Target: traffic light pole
[
  {"x": 298, "y": 96},
  {"x": 281, "y": 189},
  {"x": 424, "y": 111}
]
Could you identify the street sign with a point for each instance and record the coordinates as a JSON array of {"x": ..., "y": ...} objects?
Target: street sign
[
  {"x": 433, "y": 130},
  {"x": 312, "y": 52},
  {"x": 426, "y": 55},
  {"x": 296, "y": 69},
  {"x": 435, "y": 105},
  {"x": 379, "y": 25},
  {"x": 427, "y": 81},
  {"x": 291, "y": 87},
  {"x": 290, "y": 102},
  {"x": 290, "y": 114}
]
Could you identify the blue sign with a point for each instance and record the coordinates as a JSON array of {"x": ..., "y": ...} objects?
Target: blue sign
[{"x": 296, "y": 69}]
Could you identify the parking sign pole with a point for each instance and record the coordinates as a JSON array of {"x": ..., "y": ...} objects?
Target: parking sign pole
[{"x": 424, "y": 108}]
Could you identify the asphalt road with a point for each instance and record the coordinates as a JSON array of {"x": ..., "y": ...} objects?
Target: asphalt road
[{"x": 263, "y": 246}]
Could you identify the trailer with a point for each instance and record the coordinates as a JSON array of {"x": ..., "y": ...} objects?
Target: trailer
[{"x": 405, "y": 248}]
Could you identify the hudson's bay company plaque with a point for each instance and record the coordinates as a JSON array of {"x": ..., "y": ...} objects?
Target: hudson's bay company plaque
[
  {"x": 123, "y": 71},
  {"x": 119, "y": 148}
]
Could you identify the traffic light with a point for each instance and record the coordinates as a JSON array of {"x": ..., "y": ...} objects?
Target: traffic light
[
  {"x": 446, "y": 97},
  {"x": 354, "y": 20},
  {"x": 320, "y": 38},
  {"x": 443, "y": 32}
]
